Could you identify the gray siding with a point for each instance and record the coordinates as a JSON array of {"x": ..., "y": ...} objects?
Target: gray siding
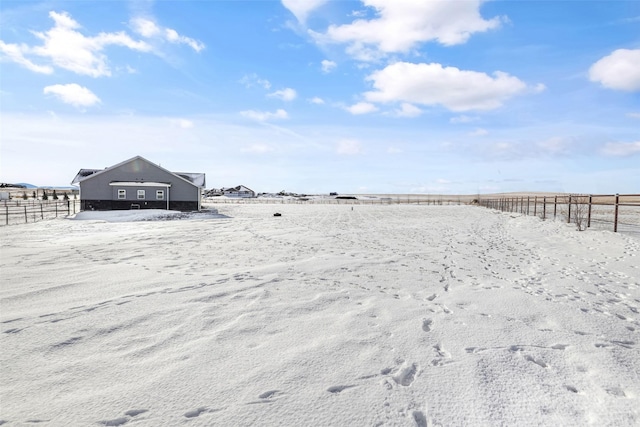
[{"x": 97, "y": 187}]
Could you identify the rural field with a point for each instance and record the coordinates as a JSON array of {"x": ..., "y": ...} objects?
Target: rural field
[{"x": 329, "y": 315}]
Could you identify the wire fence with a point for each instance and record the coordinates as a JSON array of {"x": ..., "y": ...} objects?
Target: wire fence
[
  {"x": 615, "y": 212},
  {"x": 391, "y": 199},
  {"x": 17, "y": 211}
]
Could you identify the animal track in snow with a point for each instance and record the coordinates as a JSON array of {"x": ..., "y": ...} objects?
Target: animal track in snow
[
  {"x": 536, "y": 361},
  {"x": 269, "y": 394},
  {"x": 571, "y": 388},
  {"x": 115, "y": 422},
  {"x": 616, "y": 391},
  {"x": 420, "y": 419},
  {"x": 426, "y": 325},
  {"x": 135, "y": 412},
  {"x": 339, "y": 388},
  {"x": 195, "y": 412},
  {"x": 407, "y": 375},
  {"x": 123, "y": 420}
]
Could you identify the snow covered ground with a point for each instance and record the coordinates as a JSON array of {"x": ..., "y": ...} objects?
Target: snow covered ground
[{"x": 326, "y": 316}]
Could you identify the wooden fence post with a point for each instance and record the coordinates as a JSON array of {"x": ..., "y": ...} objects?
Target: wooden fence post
[
  {"x": 569, "y": 211},
  {"x": 555, "y": 206},
  {"x": 535, "y": 206},
  {"x": 25, "y": 215},
  {"x": 528, "y": 205},
  {"x": 544, "y": 208},
  {"x": 615, "y": 219},
  {"x": 6, "y": 212},
  {"x": 589, "y": 213}
]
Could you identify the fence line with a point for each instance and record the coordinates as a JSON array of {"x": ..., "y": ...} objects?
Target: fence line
[
  {"x": 391, "y": 200},
  {"x": 608, "y": 211},
  {"x": 18, "y": 211}
]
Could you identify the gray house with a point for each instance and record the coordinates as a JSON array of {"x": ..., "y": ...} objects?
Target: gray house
[{"x": 139, "y": 184}]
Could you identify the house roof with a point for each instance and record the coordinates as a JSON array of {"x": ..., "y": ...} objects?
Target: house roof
[
  {"x": 238, "y": 188},
  {"x": 197, "y": 179}
]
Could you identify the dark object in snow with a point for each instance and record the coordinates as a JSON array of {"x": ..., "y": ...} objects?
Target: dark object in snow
[
  {"x": 277, "y": 214},
  {"x": 347, "y": 197}
]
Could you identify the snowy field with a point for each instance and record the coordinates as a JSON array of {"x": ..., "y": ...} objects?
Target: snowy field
[{"x": 397, "y": 315}]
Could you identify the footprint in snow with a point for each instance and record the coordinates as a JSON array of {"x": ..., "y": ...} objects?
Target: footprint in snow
[
  {"x": 195, "y": 412},
  {"x": 115, "y": 422},
  {"x": 406, "y": 376},
  {"x": 269, "y": 394},
  {"x": 339, "y": 388}
]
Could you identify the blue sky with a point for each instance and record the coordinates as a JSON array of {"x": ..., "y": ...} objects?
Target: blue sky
[{"x": 374, "y": 96}]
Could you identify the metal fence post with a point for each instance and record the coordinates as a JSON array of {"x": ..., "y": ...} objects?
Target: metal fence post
[
  {"x": 569, "y": 211},
  {"x": 555, "y": 207},
  {"x": 535, "y": 206},
  {"x": 544, "y": 208},
  {"x": 615, "y": 219},
  {"x": 589, "y": 213}
]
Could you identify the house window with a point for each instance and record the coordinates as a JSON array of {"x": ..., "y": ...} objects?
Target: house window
[
  {"x": 140, "y": 194},
  {"x": 159, "y": 194},
  {"x": 122, "y": 194}
]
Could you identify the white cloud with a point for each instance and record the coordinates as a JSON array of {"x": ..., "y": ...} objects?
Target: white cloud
[
  {"x": 556, "y": 145},
  {"x": 73, "y": 51},
  {"x": 621, "y": 148},
  {"x": 634, "y": 115},
  {"x": 67, "y": 48},
  {"x": 251, "y": 80},
  {"x": 433, "y": 84},
  {"x": 479, "y": 132},
  {"x": 402, "y": 24},
  {"x": 145, "y": 27},
  {"x": 362, "y": 108},
  {"x": 149, "y": 29},
  {"x": 316, "y": 100},
  {"x": 174, "y": 37},
  {"x": 408, "y": 110},
  {"x": 73, "y": 94},
  {"x": 263, "y": 116},
  {"x": 328, "y": 66},
  {"x": 302, "y": 8},
  {"x": 287, "y": 94},
  {"x": 349, "y": 147},
  {"x": 620, "y": 70},
  {"x": 462, "y": 119},
  {"x": 64, "y": 46},
  {"x": 182, "y": 123},
  {"x": 15, "y": 54}
]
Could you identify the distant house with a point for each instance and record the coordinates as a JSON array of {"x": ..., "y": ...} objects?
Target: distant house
[
  {"x": 239, "y": 191},
  {"x": 139, "y": 184}
]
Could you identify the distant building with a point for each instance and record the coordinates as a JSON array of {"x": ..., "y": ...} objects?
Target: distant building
[
  {"x": 239, "y": 191},
  {"x": 139, "y": 184}
]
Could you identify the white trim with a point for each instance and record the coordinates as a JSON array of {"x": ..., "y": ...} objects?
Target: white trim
[{"x": 139, "y": 184}]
